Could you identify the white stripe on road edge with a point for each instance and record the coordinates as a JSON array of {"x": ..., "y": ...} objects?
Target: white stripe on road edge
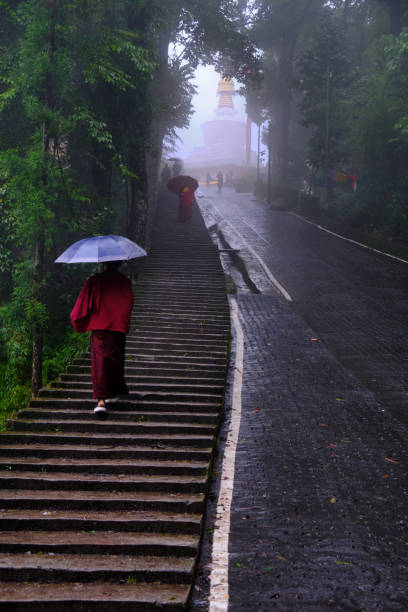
[
  {"x": 219, "y": 591},
  {"x": 360, "y": 244}
]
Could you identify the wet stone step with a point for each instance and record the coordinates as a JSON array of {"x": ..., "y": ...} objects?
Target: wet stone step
[
  {"x": 46, "y": 568},
  {"x": 133, "y": 521},
  {"x": 183, "y": 395},
  {"x": 138, "y": 385},
  {"x": 152, "y": 368},
  {"x": 101, "y": 466},
  {"x": 160, "y": 405},
  {"x": 101, "y": 500},
  {"x": 165, "y": 357},
  {"x": 155, "y": 451},
  {"x": 127, "y": 428},
  {"x": 108, "y": 440},
  {"x": 94, "y": 597},
  {"x": 102, "y": 482},
  {"x": 98, "y": 542},
  {"x": 118, "y": 416},
  {"x": 174, "y": 343},
  {"x": 147, "y": 375},
  {"x": 146, "y": 331}
]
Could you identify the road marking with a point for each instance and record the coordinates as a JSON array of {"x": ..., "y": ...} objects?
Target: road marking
[
  {"x": 219, "y": 579},
  {"x": 360, "y": 244}
]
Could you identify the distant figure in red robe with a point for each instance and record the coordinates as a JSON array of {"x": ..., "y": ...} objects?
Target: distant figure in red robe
[
  {"x": 186, "y": 198},
  {"x": 104, "y": 306}
]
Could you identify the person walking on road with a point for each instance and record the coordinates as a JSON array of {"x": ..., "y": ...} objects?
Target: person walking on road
[
  {"x": 165, "y": 175},
  {"x": 220, "y": 181},
  {"x": 177, "y": 168},
  {"x": 104, "y": 306}
]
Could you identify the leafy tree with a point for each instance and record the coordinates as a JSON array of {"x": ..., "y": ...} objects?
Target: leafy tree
[{"x": 324, "y": 80}]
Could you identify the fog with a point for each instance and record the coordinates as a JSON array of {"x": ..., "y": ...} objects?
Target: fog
[{"x": 204, "y": 103}]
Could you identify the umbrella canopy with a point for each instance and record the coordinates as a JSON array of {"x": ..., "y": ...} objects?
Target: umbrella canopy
[
  {"x": 178, "y": 183},
  {"x": 100, "y": 249}
]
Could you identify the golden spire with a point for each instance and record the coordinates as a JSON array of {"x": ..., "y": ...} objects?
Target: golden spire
[{"x": 225, "y": 92}]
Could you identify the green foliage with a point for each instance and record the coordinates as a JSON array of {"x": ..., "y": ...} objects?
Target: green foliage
[{"x": 86, "y": 96}]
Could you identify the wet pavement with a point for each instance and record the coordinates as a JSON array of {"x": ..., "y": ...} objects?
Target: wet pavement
[{"x": 319, "y": 508}]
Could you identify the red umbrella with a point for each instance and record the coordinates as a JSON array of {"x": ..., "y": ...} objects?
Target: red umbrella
[{"x": 180, "y": 182}]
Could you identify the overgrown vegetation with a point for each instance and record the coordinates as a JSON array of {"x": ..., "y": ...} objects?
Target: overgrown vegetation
[{"x": 334, "y": 97}]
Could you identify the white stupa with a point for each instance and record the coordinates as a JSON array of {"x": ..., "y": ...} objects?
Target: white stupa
[{"x": 226, "y": 139}]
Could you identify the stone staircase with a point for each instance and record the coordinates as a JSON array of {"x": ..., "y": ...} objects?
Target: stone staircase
[{"x": 108, "y": 514}]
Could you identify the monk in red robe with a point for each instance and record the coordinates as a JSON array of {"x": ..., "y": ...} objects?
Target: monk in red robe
[
  {"x": 186, "y": 198},
  {"x": 104, "y": 306}
]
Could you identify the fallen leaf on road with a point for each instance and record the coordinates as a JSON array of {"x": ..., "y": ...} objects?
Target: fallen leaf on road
[
  {"x": 339, "y": 562},
  {"x": 385, "y": 476},
  {"x": 281, "y": 558},
  {"x": 333, "y": 500}
]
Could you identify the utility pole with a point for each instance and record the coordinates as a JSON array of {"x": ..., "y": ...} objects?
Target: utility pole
[
  {"x": 258, "y": 154},
  {"x": 270, "y": 162}
]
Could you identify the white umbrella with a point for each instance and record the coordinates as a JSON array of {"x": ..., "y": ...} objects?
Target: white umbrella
[{"x": 100, "y": 249}]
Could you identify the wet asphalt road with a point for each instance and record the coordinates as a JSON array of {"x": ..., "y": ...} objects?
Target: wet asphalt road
[{"x": 319, "y": 512}]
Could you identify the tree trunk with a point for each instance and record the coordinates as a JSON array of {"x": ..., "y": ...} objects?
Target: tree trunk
[
  {"x": 36, "y": 371},
  {"x": 285, "y": 82},
  {"x": 394, "y": 10},
  {"x": 38, "y": 275},
  {"x": 137, "y": 217}
]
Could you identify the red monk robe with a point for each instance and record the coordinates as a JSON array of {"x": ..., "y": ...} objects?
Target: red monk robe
[
  {"x": 104, "y": 306},
  {"x": 186, "y": 203}
]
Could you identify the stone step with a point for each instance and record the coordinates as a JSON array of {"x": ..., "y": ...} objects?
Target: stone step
[
  {"x": 140, "y": 367},
  {"x": 102, "y": 482},
  {"x": 160, "y": 405},
  {"x": 98, "y": 542},
  {"x": 174, "y": 342},
  {"x": 176, "y": 348},
  {"x": 168, "y": 295},
  {"x": 156, "y": 451},
  {"x": 182, "y": 395},
  {"x": 103, "y": 466},
  {"x": 111, "y": 427},
  {"x": 168, "y": 332},
  {"x": 111, "y": 567},
  {"x": 118, "y": 416},
  {"x": 138, "y": 385},
  {"x": 147, "y": 376},
  {"x": 100, "y": 439},
  {"x": 170, "y": 324},
  {"x": 164, "y": 357},
  {"x": 71, "y": 520},
  {"x": 101, "y": 500},
  {"x": 94, "y": 597}
]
